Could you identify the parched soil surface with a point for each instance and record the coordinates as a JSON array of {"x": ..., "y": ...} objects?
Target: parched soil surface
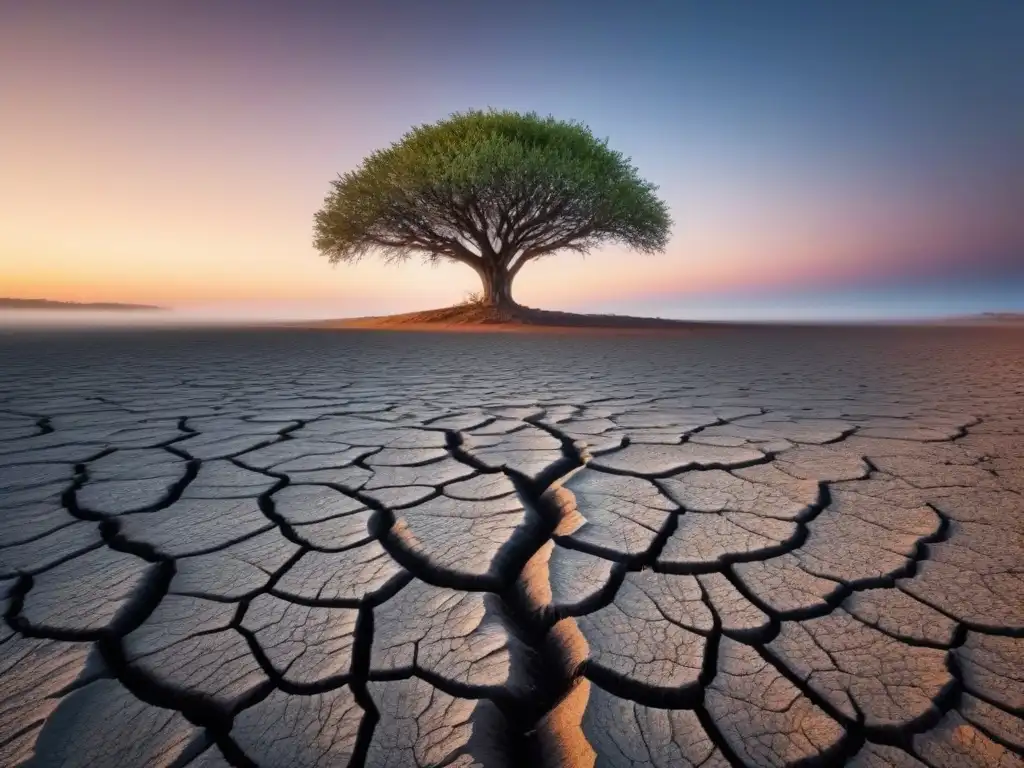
[{"x": 316, "y": 548}]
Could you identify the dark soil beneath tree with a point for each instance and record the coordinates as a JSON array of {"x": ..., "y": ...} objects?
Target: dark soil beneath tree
[{"x": 482, "y": 317}]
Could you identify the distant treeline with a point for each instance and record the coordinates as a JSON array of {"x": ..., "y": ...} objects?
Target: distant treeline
[{"x": 48, "y": 304}]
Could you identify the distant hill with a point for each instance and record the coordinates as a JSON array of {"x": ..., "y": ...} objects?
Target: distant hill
[
  {"x": 986, "y": 318},
  {"x": 998, "y": 317},
  {"x": 71, "y": 305},
  {"x": 1006, "y": 317}
]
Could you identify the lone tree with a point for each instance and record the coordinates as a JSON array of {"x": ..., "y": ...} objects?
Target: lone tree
[{"x": 494, "y": 190}]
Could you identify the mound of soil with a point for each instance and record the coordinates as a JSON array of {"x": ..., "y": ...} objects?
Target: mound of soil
[{"x": 482, "y": 317}]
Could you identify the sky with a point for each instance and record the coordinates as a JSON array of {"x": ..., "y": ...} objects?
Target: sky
[{"x": 819, "y": 159}]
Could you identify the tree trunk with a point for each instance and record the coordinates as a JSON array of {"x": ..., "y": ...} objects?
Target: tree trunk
[{"x": 497, "y": 288}]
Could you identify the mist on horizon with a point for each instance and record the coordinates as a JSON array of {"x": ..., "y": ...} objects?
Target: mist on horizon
[{"x": 902, "y": 302}]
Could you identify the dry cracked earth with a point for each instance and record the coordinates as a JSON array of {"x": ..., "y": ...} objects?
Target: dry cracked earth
[{"x": 301, "y": 548}]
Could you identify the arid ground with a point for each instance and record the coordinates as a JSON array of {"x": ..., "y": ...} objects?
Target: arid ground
[{"x": 732, "y": 547}]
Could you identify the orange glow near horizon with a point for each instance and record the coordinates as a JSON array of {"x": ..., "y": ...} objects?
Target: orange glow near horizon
[{"x": 115, "y": 249}]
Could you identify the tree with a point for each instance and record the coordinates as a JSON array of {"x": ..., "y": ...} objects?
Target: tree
[{"x": 493, "y": 190}]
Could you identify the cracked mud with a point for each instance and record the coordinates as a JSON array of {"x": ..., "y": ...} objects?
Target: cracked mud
[{"x": 296, "y": 548}]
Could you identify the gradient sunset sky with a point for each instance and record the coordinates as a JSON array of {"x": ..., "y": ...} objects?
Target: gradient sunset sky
[{"x": 816, "y": 155}]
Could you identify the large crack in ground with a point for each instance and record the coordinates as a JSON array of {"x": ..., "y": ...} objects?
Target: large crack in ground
[
  {"x": 552, "y": 681},
  {"x": 811, "y": 613}
]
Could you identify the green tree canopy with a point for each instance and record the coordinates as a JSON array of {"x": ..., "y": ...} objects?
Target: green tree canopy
[{"x": 493, "y": 190}]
